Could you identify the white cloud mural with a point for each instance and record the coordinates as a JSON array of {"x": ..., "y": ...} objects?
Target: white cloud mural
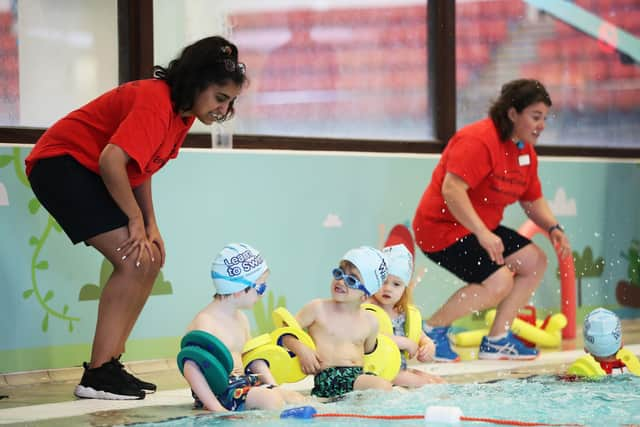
[
  {"x": 4, "y": 197},
  {"x": 561, "y": 205},
  {"x": 332, "y": 221}
]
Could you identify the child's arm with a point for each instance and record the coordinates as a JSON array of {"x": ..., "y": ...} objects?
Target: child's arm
[
  {"x": 201, "y": 388},
  {"x": 309, "y": 361},
  {"x": 371, "y": 340},
  {"x": 406, "y": 344},
  {"x": 258, "y": 367},
  {"x": 426, "y": 349},
  {"x": 261, "y": 368}
]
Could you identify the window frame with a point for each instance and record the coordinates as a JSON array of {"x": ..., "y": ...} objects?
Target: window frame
[{"x": 135, "y": 53}]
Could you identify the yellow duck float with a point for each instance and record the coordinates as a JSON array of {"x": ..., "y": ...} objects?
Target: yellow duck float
[{"x": 545, "y": 333}]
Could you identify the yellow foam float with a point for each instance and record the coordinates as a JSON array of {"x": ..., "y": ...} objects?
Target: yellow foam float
[
  {"x": 549, "y": 336},
  {"x": 587, "y": 366},
  {"x": 384, "y": 361},
  {"x": 384, "y": 321},
  {"x": 412, "y": 325},
  {"x": 282, "y": 318},
  {"x": 630, "y": 360}
]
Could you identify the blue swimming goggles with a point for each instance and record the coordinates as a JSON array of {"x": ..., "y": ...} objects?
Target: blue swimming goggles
[
  {"x": 349, "y": 280},
  {"x": 260, "y": 288}
]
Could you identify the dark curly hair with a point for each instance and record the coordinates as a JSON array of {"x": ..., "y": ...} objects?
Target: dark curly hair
[
  {"x": 518, "y": 94},
  {"x": 212, "y": 60}
]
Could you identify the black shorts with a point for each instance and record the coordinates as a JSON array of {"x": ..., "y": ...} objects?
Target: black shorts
[
  {"x": 76, "y": 197},
  {"x": 470, "y": 262}
]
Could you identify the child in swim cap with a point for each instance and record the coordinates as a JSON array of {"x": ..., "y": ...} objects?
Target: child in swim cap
[
  {"x": 395, "y": 298},
  {"x": 602, "y": 334},
  {"x": 239, "y": 275},
  {"x": 342, "y": 331}
]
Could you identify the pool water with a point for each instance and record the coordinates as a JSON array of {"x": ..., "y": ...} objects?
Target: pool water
[{"x": 613, "y": 401}]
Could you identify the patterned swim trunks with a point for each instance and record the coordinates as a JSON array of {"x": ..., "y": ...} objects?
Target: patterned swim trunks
[
  {"x": 235, "y": 395},
  {"x": 336, "y": 381}
]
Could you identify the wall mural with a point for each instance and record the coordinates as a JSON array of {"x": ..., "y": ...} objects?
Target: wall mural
[
  {"x": 37, "y": 293},
  {"x": 586, "y": 266},
  {"x": 628, "y": 290},
  {"x": 92, "y": 292},
  {"x": 303, "y": 210}
]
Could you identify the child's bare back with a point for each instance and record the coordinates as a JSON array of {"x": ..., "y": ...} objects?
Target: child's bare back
[{"x": 232, "y": 328}]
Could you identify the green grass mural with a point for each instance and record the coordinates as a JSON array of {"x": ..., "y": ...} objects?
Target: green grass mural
[
  {"x": 586, "y": 266},
  {"x": 262, "y": 312},
  {"x": 92, "y": 292}
]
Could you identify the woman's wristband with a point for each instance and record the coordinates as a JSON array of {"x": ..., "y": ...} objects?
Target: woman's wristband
[{"x": 555, "y": 227}]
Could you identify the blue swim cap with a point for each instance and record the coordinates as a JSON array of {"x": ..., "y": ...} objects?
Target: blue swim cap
[
  {"x": 399, "y": 262},
  {"x": 602, "y": 333},
  {"x": 371, "y": 265},
  {"x": 236, "y": 267}
]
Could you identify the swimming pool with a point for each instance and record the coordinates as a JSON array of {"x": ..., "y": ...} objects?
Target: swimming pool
[{"x": 613, "y": 401}]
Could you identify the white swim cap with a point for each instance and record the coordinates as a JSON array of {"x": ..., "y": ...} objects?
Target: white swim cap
[
  {"x": 399, "y": 262},
  {"x": 602, "y": 333},
  {"x": 370, "y": 262},
  {"x": 236, "y": 267}
]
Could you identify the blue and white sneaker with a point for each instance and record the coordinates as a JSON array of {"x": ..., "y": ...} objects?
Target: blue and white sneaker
[
  {"x": 507, "y": 348},
  {"x": 440, "y": 338}
]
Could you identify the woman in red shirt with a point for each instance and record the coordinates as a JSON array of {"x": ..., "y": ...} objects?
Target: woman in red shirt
[
  {"x": 485, "y": 167},
  {"x": 92, "y": 171}
]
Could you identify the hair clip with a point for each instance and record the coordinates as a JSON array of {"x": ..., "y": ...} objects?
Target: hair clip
[
  {"x": 226, "y": 50},
  {"x": 231, "y": 66}
]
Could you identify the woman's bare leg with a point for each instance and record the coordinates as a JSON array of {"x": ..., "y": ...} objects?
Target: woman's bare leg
[
  {"x": 123, "y": 297},
  {"x": 141, "y": 302},
  {"x": 474, "y": 297},
  {"x": 528, "y": 264}
]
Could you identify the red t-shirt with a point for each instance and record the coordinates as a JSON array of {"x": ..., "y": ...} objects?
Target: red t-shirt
[
  {"x": 137, "y": 116},
  {"x": 497, "y": 173}
]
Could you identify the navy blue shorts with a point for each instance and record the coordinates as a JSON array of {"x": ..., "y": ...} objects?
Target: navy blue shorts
[
  {"x": 76, "y": 197},
  {"x": 470, "y": 262}
]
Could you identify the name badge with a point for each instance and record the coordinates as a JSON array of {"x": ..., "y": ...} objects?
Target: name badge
[{"x": 524, "y": 160}]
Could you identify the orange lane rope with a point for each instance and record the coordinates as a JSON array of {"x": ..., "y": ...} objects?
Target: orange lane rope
[{"x": 463, "y": 418}]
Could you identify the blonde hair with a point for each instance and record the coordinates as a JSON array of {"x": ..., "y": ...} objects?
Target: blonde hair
[{"x": 405, "y": 300}]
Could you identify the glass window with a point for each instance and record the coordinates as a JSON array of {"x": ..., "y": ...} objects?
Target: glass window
[
  {"x": 594, "y": 87},
  {"x": 331, "y": 71},
  {"x": 55, "y": 57}
]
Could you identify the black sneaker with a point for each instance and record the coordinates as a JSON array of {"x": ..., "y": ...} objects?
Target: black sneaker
[
  {"x": 107, "y": 382},
  {"x": 145, "y": 386}
]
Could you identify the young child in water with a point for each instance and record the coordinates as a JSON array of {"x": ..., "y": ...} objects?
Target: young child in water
[{"x": 603, "y": 340}]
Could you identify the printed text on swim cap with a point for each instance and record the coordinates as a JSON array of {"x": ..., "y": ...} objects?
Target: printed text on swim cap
[{"x": 244, "y": 262}]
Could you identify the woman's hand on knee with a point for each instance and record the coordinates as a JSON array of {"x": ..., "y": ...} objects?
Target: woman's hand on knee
[
  {"x": 137, "y": 244},
  {"x": 153, "y": 235}
]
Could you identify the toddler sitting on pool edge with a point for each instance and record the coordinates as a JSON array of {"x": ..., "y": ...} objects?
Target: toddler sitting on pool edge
[{"x": 239, "y": 275}]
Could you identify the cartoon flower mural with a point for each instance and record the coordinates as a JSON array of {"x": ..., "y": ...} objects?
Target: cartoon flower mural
[{"x": 36, "y": 291}]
